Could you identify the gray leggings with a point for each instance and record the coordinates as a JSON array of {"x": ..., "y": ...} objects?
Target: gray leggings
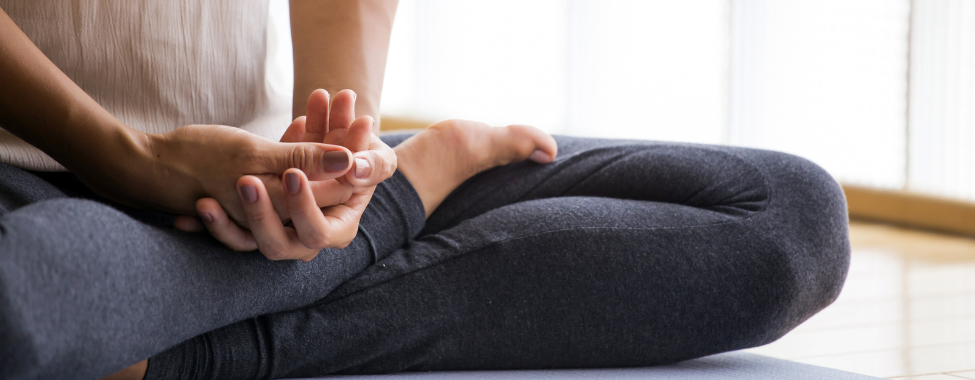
[{"x": 620, "y": 253}]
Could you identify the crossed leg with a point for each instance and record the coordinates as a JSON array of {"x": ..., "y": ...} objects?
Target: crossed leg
[{"x": 618, "y": 253}]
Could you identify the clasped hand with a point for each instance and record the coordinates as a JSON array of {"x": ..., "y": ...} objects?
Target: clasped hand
[{"x": 288, "y": 199}]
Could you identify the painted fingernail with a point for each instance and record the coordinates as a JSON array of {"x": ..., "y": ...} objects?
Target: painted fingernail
[
  {"x": 207, "y": 217},
  {"x": 362, "y": 168},
  {"x": 292, "y": 183},
  {"x": 335, "y": 161},
  {"x": 540, "y": 157},
  {"x": 248, "y": 193}
]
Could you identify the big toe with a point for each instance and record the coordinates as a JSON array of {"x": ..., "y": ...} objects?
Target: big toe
[{"x": 531, "y": 143}]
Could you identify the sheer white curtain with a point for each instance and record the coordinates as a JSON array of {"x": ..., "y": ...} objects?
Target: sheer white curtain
[
  {"x": 942, "y": 111},
  {"x": 611, "y": 68},
  {"x": 824, "y": 79},
  {"x": 879, "y": 92}
]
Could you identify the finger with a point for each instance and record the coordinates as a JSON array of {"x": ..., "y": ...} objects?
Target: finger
[
  {"x": 317, "y": 112},
  {"x": 312, "y": 228},
  {"x": 222, "y": 228},
  {"x": 358, "y": 136},
  {"x": 335, "y": 136},
  {"x": 343, "y": 222},
  {"x": 356, "y": 140},
  {"x": 273, "y": 239},
  {"x": 342, "y": 110},
  {"x": 188, "y": 224},
  {"x": 330, "y": 192},
  {"x": 295, "y": 131},
  {"x": 541, "y": 148},
  {"x": 374, "y": 165},
  {"x": 318, "y": 161}
]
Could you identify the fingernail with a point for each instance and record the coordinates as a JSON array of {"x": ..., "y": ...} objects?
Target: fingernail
[
  {"x": 335, "y": 161},
  {"x": 540, "y": 157},
  {"x": 207, "y": 217},
  {"x": 292, "y": 183},
  {"x": 248, "y": 193},
  {"x": 362, "y": 168}
]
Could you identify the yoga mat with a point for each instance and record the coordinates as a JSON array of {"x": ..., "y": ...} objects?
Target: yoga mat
[{"x": 727, "y": 366}]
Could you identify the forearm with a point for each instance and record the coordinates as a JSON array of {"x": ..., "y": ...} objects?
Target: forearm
[
  {"x": 41, "y": 105},
  {"x": 341, "y": 44}
]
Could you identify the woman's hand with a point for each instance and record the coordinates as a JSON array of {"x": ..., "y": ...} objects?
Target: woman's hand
[
  {"x": 197, "y": 161},
  {"x": 311, "y": 226}
]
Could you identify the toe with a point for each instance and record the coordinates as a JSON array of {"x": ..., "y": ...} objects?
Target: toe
[{"x": 532, "y": 143}]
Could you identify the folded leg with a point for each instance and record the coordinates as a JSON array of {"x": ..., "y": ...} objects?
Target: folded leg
[
  {"x": 617, "y": 254},
  {"x": 86, "y": 289}
]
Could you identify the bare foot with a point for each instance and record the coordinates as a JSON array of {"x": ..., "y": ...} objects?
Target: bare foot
[{"x": 446, "y": 154}]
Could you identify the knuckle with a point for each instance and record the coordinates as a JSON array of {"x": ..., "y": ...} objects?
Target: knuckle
[
  {"x": 275, "y": 253},
  {"x": 256, "y": 218},
  {"x": 385, "y": 164},
  {"x": 302, "y": 156},
  {"x": 317, "y": 240},
  {"x": 391, "y": 165}
]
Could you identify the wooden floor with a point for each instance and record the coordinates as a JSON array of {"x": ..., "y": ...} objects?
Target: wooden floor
[{"x": 907, "y": 310}]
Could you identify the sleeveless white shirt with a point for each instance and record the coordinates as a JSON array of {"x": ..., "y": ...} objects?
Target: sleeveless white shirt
[{"x": 157, "y": 65}]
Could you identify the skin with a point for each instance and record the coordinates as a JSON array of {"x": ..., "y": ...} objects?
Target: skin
[
  {"x": 435, "y": 161},
  {"x": 172, "y": 171},
  {"x": 341, "y": 44},
  {"x": 289, "y": 199}
]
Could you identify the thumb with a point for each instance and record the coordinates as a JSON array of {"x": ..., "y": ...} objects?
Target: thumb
[{"x": 318, "y": 161}]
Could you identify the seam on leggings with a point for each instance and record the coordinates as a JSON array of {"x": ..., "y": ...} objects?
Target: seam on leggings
[
  {"x": 454, "y": 221},
  {"x": 765, "y": 180},
  {"x": 762, "y": 210},
  {"x": 619, "y": 156},
  {"x": 372, "y": 244},
  {"x": 328, "y": 300},
  {"x": 762, "y": 173},
  {"x": 457, "y": 220}
]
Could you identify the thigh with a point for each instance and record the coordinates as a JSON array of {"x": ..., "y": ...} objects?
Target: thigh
[
  {"x": 648, "y": 268},
  {"x": 86, "y": 289},
  {"x": 19, "y": 188}
]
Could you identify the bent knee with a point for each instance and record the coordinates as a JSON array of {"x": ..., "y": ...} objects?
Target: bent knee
[{"x": 806, "y": 222}]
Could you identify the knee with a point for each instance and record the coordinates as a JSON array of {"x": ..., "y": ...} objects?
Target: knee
[
  {"x": 806, "y": 221},
  {"x": 807, "y": 278}
]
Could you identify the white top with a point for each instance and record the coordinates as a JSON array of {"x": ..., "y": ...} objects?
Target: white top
[{"x": 160, "y": 64}]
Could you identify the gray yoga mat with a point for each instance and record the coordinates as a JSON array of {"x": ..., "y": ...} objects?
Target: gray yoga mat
[{"x": 727, "y": 366}]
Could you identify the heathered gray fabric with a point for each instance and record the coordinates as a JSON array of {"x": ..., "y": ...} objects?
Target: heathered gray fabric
[
  {"x": 618, "y": 254},
  {"x": 87, "y": 289}
]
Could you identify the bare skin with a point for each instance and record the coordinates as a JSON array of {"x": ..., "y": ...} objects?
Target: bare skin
[
  {"x": 443, "y": 156},
  {"x": 172, "y": 171},
  {"x": 446, "y": 154},
  {"x": 341, "y": 44},
  {"x": 187, "y": 171}
]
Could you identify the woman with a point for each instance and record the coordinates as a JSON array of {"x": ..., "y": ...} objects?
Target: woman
[{"x": 462, "y": 247}]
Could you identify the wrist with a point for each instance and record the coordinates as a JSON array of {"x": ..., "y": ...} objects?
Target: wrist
[{"x": 112, "y": 160}]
